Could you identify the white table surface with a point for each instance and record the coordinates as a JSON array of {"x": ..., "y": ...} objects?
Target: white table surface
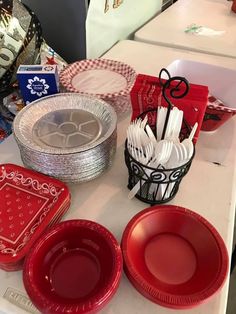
[
  {"x": 168, "y": 28},
  {"x": 208, "y": 189}
]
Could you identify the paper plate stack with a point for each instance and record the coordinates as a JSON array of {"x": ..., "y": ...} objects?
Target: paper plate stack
[
  {"x": 30, "y": 203},
  {"x": 109, "y": 80},
  {"x": 68, "y": 136}
]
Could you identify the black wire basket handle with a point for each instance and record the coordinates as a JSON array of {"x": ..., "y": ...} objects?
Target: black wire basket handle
[{"x": 174, "y": 92}]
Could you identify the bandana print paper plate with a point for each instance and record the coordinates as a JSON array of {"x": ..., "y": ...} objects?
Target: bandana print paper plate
[{"x": 29, "y": 203}]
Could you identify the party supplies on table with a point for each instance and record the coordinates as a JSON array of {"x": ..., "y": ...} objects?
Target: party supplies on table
[{"x": 37, "y": 81}]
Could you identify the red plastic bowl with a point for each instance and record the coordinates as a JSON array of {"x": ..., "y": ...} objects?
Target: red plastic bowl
[
  {"x": 173, "y": 256},
  {"x": 74, "y": 268}
]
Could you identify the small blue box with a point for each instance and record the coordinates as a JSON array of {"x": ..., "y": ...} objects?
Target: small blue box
[{"x": 37, "y": 81}]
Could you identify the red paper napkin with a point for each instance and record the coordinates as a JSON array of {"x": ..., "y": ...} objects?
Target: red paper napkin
[{"x": 147, "y": 94}]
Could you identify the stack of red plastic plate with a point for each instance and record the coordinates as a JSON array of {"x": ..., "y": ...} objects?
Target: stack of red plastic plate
[
  {"x": 30, "y": 202},
  {"x": 75, "y": 267},
  {"x": 174, "y": 256}
]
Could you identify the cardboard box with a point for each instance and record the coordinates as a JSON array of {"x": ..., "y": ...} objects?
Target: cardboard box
[{"x": 37, "y": 81}]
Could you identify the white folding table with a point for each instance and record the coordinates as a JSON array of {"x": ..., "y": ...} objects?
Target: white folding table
[
  {"x": 209, "y": 189},
  {"x": 168, "y": 28}
]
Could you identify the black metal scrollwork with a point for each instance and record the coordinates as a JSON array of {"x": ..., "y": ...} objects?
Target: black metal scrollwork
[{"x": 174, "y": 93}]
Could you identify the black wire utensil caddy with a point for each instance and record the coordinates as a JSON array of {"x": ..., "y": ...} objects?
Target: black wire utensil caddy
[{"x": 159, "y": 185}]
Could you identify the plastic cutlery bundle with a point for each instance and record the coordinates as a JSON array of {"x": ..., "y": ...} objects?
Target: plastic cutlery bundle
[
  {"x": 140, "y": 134},
  {"x": 158, "y": 156}
]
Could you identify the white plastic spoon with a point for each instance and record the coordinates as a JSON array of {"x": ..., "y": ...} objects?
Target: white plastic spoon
[{"x": 188, "y": 142}]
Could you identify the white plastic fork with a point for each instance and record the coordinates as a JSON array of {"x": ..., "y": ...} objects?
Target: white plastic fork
[
  {"x": 162, "y": 156},
  {"x": 145, "y": 154},
  {"x": 145, "y": 160}
]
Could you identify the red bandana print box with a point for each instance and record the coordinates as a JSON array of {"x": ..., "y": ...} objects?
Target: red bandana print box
[{"x": 29, "y": 203}]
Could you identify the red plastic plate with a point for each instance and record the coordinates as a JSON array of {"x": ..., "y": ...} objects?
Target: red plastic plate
[
  {"x": 74, "y": 268},
  {"x": 173, "y": 256},
  {"x": 29, "y": 202}
]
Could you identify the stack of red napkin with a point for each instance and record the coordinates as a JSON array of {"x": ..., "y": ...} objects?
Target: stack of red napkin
[{"x": 147, "y": 94}]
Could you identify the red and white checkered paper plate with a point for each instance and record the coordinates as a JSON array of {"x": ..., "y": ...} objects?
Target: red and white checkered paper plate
[
  {"x": 109, "y": 80},
  {"x": 217, "y": 113},
  {"x": 30, "y": 203},
  {"x": 214, "y": 103}
]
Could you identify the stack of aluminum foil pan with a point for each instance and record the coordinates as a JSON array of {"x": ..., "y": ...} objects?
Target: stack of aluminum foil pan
[{"x": 68, "y": 136}]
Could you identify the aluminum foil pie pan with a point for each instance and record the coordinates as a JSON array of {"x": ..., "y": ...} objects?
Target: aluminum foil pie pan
[{"x": 69, "y": 136}]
